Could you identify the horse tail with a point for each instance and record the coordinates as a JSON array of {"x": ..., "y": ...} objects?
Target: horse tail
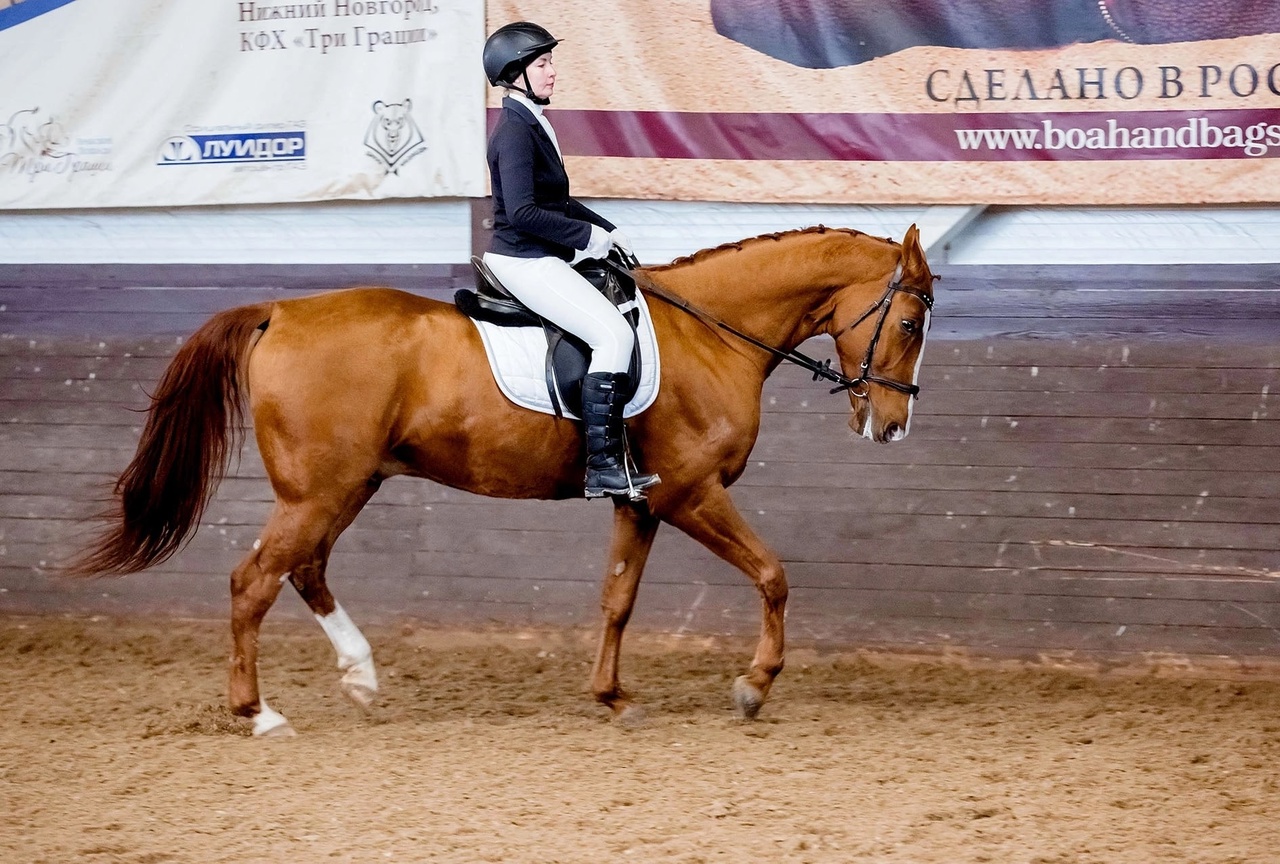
[{"x": 195, "y": 422}]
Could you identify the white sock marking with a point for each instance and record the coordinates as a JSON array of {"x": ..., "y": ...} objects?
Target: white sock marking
[
  {"x": 266, "y": 719},
  {"x": 355, "y": 656}
]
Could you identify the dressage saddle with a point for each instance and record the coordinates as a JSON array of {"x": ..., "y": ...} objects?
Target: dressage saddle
[{"x": 567, "y": 356}]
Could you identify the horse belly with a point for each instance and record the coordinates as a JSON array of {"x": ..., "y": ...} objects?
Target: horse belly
[
  {"x": 497, "y": 452},
  {"x": 456, "y": 428}
]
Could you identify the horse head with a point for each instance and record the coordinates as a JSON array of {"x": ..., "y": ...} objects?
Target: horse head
[{"x": 881, "y": 345}]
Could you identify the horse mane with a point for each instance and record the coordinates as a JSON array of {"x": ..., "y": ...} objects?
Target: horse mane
[{"x": 737, "y": 245}]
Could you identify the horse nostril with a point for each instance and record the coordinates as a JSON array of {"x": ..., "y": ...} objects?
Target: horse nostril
[{"x": 892, "y": 432}]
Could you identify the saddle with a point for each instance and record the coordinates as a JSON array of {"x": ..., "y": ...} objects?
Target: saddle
[{"x": 567, "y": 356}]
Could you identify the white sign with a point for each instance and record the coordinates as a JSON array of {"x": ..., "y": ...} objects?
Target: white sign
[{"x": 122, "y": 103}]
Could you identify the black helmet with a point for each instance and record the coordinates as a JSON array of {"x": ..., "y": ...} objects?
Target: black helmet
[{"x": 513, "y": 47}]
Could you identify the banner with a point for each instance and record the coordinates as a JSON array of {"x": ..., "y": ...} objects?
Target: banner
[
  {"x": 1084, "y": 102},
  {"x": 119, "y": 103}
]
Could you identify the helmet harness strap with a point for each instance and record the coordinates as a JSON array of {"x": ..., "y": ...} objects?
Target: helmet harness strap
[{"x": 528, "y": 88}]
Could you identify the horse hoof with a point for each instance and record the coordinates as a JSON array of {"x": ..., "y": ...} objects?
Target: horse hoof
[
  {"x": 282, "y": 731},
  {"x": 747, "y": 698},
  {"x": 362, "y": 696},
  {"x": 270, "y": 724},
  {"x": 632, "y": 717}
]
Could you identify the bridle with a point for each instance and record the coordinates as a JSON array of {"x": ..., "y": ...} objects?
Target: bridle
[
  {"x": 865, "y": 375},
  {"x": 821, "y": 369}
]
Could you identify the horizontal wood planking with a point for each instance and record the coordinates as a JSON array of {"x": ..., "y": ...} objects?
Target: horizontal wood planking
[{"x": 1103, "y": 491}]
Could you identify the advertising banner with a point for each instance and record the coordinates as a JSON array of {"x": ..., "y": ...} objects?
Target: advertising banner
[
  {"x": 1086, "y": 102},
  {"x": 119, "y": 103}
]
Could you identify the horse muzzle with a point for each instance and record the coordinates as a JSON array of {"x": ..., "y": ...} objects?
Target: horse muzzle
[{"x": 863, "y": 422}]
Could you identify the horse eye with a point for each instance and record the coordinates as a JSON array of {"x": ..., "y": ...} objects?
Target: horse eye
[{"x": 908, "y": 325}]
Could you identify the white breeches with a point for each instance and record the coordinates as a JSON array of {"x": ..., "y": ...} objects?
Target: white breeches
[{"x": 554, "y": 290}]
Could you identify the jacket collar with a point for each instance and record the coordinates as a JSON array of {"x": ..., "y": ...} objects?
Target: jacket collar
[{"x": 521, "y": 109}]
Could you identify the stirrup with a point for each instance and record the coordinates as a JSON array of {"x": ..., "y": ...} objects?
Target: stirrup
[
  {"x": 636, "y": 482},
  {"x": 634, "y": 490}
]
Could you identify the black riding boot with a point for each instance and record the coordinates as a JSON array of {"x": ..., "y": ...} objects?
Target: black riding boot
[{"x": 602, "y": 407}]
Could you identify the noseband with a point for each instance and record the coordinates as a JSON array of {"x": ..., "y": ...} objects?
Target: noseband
[{"x": 820, "y": 369}]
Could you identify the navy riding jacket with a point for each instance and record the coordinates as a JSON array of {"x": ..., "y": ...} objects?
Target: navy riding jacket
[{"x": 533, "y": 214}]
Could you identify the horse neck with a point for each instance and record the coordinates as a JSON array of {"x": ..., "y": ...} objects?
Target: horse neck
[{"x": 782, "y": 291}]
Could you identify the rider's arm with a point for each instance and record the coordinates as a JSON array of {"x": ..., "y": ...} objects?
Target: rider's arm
[
  {"x": 578, "y": 210},
  {"x": 515, "y": 167}
]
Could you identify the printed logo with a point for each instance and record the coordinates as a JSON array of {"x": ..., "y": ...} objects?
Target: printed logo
[
  {"x": 181, "y": 148},
  {"x": 234, "y": 148},
  {"x": 32, "y": 145},
  {"x": 15, "y": 12},
  {"x": 393, "y": 138}
]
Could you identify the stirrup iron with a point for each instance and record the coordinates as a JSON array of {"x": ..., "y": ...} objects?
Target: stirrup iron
[
  {"x": 637, "y": 483},
  {"x": 635, "y": 492}
]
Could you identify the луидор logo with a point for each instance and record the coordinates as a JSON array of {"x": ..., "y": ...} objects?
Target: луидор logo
[{"x": 234, "y": 148}]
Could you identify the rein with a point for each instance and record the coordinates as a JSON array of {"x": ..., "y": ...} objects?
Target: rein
[{"x": 821, "y": 369}]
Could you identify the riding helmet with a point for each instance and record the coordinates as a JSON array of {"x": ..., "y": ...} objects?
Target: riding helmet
[{"x": 513, "y": 47}]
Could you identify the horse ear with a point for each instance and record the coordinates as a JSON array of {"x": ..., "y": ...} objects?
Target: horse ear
[{"x": 913, "y": 253}]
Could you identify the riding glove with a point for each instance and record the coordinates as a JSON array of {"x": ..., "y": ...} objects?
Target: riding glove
[
  {"x": 621, "y": 241},
  {"x": 598, "y": 246}
]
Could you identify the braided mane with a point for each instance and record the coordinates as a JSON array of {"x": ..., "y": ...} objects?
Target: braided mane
[{"x": 737, "y": 245}]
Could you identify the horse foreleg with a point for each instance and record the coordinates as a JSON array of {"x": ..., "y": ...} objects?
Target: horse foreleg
[
  {"x": 355, "y": 656},
  {"x": 633, "y": 532},
  {"x": 712, "y": 520}
]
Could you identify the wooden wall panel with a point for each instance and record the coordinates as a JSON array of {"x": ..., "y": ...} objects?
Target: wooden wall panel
[{"x": 1093, "y": 471}]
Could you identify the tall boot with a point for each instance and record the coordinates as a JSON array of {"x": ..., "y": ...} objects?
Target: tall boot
[{"x": 602, "y": 406}]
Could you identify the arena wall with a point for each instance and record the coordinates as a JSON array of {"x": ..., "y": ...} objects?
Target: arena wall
[{"x": 1091, "y": 473}]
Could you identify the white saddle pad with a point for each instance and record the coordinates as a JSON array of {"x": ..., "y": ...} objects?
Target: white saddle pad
[{"x": 518, "y": 357}]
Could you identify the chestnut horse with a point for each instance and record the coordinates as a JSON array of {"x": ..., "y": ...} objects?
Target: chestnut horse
[{"x": 350, "y": 387}]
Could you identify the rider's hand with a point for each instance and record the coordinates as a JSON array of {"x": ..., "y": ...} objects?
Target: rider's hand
[
  {"x": 599, "y": 244},
  {"x": 620, "y": 240}
]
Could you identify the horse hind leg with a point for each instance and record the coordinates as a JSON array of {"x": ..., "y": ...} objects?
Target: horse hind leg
[
  {"x": 633, "y": 532},
  {"x": 254, "y": 588},
  {"x": 355, "y": 657},
  {"x": 293, "y": 541}
]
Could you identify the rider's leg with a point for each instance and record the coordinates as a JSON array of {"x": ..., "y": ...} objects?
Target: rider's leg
[
  {"x": 557, "y": 292},
  {"x": 602, "y": 406},
  {"x": 554, "y": 290}
]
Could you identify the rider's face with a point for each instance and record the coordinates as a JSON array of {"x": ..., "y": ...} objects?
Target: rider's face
[{"x": 542, "y": 76}]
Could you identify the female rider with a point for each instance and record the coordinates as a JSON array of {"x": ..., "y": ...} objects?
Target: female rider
[{"x": 538, "y": 229}]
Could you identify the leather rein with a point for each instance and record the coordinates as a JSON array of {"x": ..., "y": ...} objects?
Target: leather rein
[{"x": 821, "y": 369}]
